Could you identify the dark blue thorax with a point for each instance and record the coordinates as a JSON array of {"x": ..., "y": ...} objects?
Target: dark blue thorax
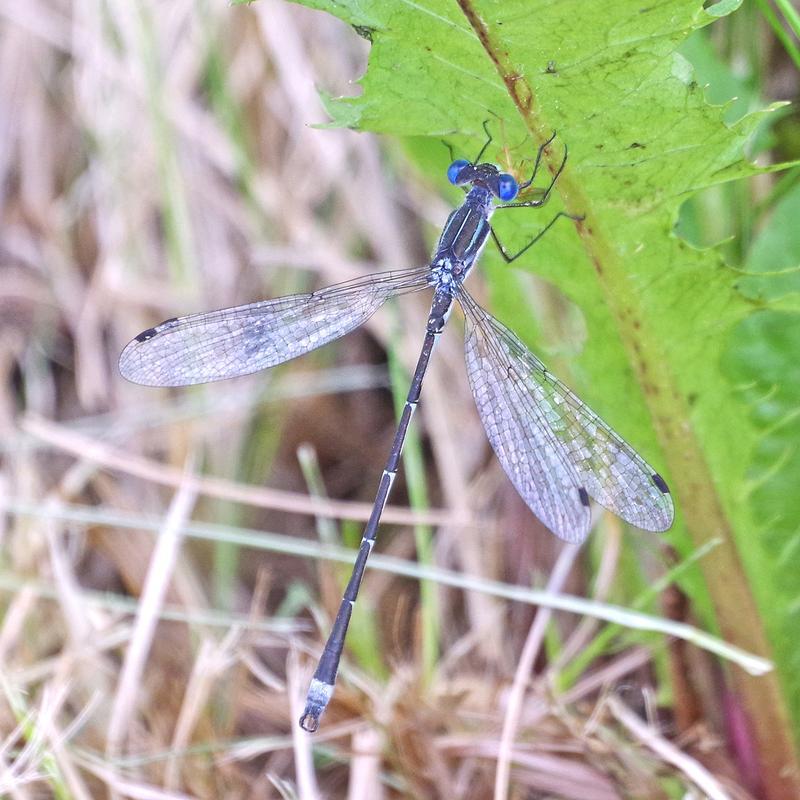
[{"x": 466, "y": 230}]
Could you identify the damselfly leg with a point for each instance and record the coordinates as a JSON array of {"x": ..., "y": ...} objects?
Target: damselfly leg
[{"x": 538, "y": 203}]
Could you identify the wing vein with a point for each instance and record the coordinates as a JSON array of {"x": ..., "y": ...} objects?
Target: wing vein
[
  {"x": 601, "y": 462},
  {"x": 238, "y": 341}
]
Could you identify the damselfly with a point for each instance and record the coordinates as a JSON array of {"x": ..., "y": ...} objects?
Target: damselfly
[{"x": 555, "y": 450}]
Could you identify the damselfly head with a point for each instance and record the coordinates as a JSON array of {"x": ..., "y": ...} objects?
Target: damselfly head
[{"x": 502, "y": 185}]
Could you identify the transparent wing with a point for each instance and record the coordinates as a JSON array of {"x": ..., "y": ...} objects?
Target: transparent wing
[
  {"x": 237, "y": 341},
  {"x": 572, "y": 453},
  {"x": 519, "y": 434}
]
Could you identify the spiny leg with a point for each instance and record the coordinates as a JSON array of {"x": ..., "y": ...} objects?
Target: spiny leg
[
  {"x": 536, "y": 204},
  {"x": 542, "y": 147},
  {"x": 543, "y": 199},
  {"x": 486, "y": 144},
  {"x": 509, "y": 258},
  {"x": 449, "y": 150}
]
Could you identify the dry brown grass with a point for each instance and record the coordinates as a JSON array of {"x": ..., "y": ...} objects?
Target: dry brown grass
[{"x": 136, "y": 186}]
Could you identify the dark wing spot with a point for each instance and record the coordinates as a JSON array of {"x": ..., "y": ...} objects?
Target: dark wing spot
[
  {"x": 145, "y": 335},
  {"x": 660, "y": 483},
  {"x": 151, "y": 332},
  {"x": 584, "y": 495}
]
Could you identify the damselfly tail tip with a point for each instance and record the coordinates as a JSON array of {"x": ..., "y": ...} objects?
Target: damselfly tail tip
[
  {"x": 317, "y": 699},
  {"x": 308, "y": 722}
]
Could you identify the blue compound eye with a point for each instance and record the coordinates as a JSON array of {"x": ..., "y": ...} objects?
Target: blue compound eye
[
  {"x": 506, "y": 187},
  {"x": 455, "y": 168}
]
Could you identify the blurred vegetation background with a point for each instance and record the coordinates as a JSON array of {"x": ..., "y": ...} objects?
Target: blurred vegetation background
[{"x": 163, "y": 595}]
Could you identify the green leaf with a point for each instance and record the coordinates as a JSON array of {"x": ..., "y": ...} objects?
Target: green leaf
[
  {"x": 658, "y": 313},
  {"x": 762, "y": 359}
]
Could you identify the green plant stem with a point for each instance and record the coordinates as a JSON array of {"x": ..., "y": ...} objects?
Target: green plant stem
[{"x": 794, "y": 21}]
